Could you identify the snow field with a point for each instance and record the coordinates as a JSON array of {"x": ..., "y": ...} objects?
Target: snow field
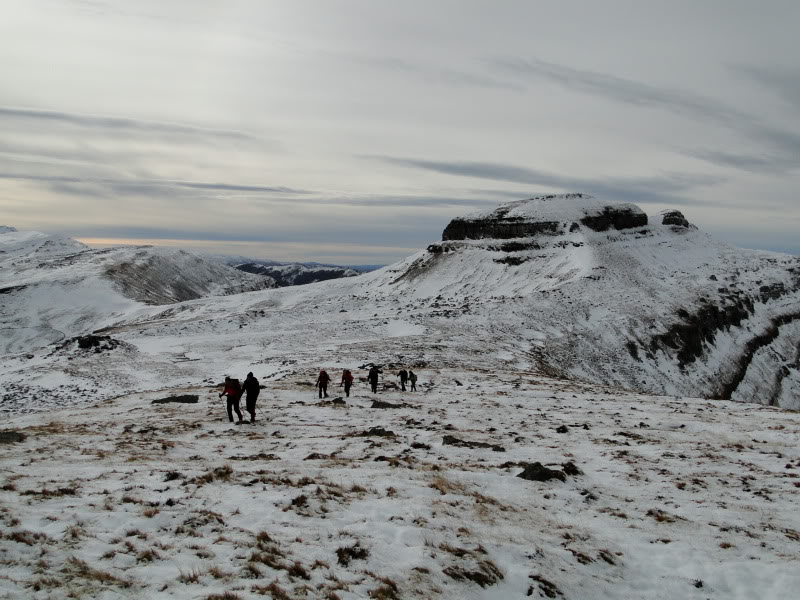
[{"x": 678, "y": 497}]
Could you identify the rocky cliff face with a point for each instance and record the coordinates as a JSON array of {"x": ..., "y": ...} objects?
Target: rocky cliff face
[{"x": 549, "y": 215}]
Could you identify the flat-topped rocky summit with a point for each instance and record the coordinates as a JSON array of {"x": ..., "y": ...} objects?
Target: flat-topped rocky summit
[{"x": 549, "y": 215}]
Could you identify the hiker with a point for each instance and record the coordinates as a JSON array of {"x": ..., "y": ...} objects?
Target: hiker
[
  {"x": 251, "y": 388},
  {"x": 322, "y": 383},
  {"x": 234, "y": 392},
  {"x": 347, "y": 382},
  {"x": 403, "y": 375},
  {"x": 412, "y": 378},
  {"x": 373, "y": 378}
]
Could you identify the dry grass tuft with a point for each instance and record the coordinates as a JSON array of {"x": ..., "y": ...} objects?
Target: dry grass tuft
[
  {"x": 445, "y": 486},
  {"x": 224, "y": 596},
  {"x": 298, "y": 570},
  {"x": 190, "y": 576},
  {"x": 148, "y": 555},
  {"x": 273, "y": 590},
  {"x": 29, "y": 538},
  {"x": 345, "y": 554},
  {"x": 79, "y": 568}
]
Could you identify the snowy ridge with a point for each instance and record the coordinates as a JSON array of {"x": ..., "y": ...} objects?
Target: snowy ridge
[{"x": 54, "y": 287}]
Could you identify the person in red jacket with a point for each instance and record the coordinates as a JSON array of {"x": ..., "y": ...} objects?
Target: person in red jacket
[
  {"x": 233, "y": 390},
  {"x": 347, "y": 381},
  {"x": 322, "y": 383}
]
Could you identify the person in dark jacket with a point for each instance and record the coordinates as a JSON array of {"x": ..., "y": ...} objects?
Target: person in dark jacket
[
  {"x": 251, "y": 388},
  {"x": 233, "y": 390},
  {"x": 347, "y": 381},
  {"x": 403, "y": 375},
  {"x": 322, "y": 383},
  {"x": 412, "y": 379},
  {"x": 373, "y": 378}
]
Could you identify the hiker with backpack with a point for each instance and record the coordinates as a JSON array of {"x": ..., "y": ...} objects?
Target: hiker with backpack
[
  {"x": 322, "y": 383},
  {"x": 373, "y": 378},
  {"x": 233, "y": 390},
  {"x": 347, "y": 382},
  {"x": 412, "y": 378},
  {"x": 252, "y": 389},
  {"x": 403, "y": 375}
]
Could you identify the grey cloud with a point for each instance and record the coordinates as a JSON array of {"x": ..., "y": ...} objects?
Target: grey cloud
[
  {"x": 444, "y": 75},
  {"x": 679, "y": 102},
  {"x": 746, "y": 162},
  {"x": 119, "y": 123},
  {"x": 78, "y": 184},
  {"x": 784, "y": 82},
  {"x": 622, "y": 90},
  {"x": 642, "y": 190}
]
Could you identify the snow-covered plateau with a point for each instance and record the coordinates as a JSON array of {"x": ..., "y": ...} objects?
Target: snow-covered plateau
[{"x": 643, "y": 376}]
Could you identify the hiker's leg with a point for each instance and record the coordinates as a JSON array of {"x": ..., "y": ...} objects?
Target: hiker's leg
[
  {"x": 230, "y": 412},
  {"x": 325, "y": 390},
  {"x": 251, "y": 408},
  {"x": 236, "y": 409}
]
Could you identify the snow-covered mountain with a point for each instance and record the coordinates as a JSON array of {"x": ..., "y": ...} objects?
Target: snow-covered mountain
[
  {"x": 562, "y": 285},
  {"x": 53, "y": 287},
  {"x": 605, "y": 293},
  {"x": 286, "y": 274}
]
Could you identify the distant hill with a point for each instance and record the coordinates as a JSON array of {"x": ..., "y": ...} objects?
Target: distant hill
[
  {"x": 286, "y": 274},
  {"x": 53, "y": 287}
]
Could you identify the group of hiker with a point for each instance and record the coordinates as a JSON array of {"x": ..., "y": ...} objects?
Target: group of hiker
[
  {"x": 234, "y": 390},
  {"x": 372, "y": 377}
]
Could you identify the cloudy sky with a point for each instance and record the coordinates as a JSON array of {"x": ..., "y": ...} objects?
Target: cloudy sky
[{"x": 352, "y": 131}]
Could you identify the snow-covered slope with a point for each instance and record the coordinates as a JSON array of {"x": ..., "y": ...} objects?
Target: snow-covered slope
[
  {"x": 668, "y": 498},
  {"x": 606, "y": 294},
  {"x": 53, "y": 287}
]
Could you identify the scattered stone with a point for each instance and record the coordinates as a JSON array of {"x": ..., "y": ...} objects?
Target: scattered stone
[
  {"x": 562, "y": 429},
  {"x": 420, "y": 446},
  {"x": 451, "y": 440},
  {"x": 382, "y": 404},
  {"x": 571, "y": 469},
  {"x": 184, "y": 399},
  {"x": 259, "y": 456},
  {"x": 317, "y": 456},
  {"x": 538, "y": 472},
  {"x": 376, "y": 432},
  {"x": 10, "y": 436}
]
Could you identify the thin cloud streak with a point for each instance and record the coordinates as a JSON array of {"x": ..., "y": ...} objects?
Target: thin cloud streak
[
  {"x": 139, "y": 186},
  {"x": 119, "y": 123},
  {"x": 643, "y": 190},
  {"x": 679, "y": 102}
]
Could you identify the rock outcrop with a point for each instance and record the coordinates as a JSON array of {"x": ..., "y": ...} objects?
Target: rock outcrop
[{"x": 545, "y": 215}]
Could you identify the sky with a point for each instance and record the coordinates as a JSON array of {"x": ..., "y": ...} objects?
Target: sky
[{"x": 352, "y": 131}]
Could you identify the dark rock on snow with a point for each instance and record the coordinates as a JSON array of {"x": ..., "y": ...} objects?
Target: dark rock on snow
[{"x": 184, "y": 399}]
